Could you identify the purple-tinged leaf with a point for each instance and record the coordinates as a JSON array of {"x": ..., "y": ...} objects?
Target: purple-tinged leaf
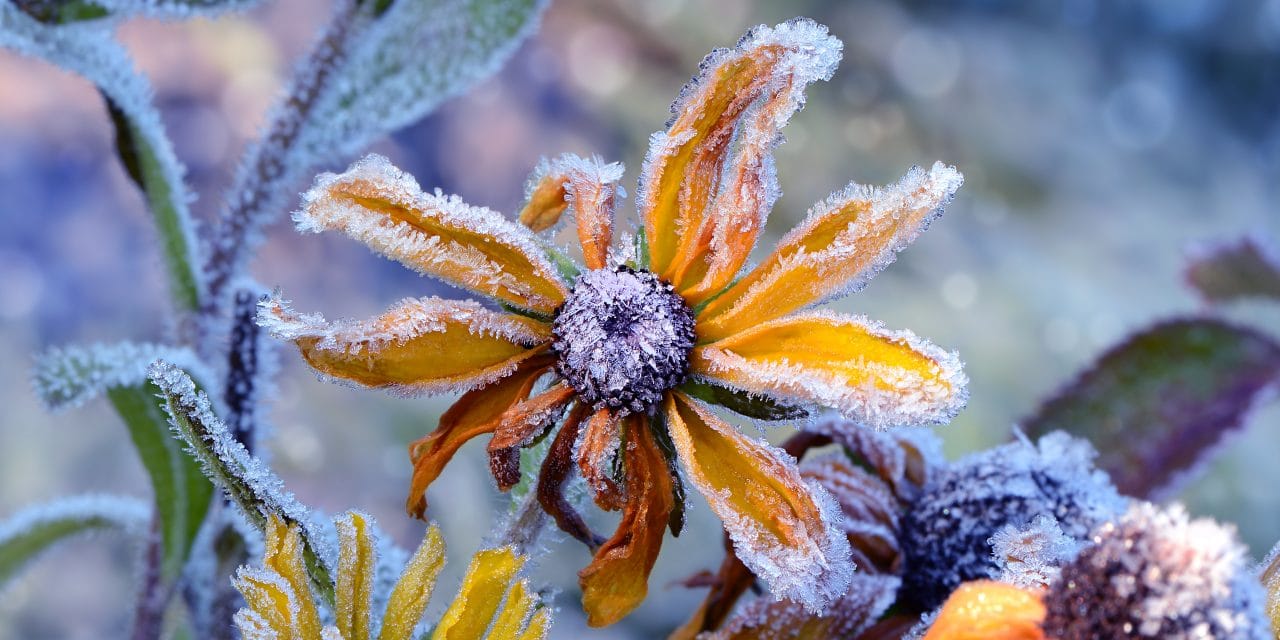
[
  {"x": 1157, "y": 403},
  {"x": 1224, "y": 272}
]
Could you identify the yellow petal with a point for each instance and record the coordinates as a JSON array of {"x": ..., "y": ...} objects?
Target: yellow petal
[
  {"x": 280, "y": 591},
  {"x": 517, "y": 609},
  {"x": 1270, "y": 578},
  {"x": 270, "y": 604},
  {"x": 617, "y": 580},
  {"x": 600, "y": 445},
  {"x": 436, "y": 235},
  {"x": 412, "y": 591},
  {"x": 878, "y": 377},
  {"x": 987, "y": 610},
  {"x": 708, "y": 181},
  {"x": 782, "y": 528},
  {"x": 844, "y": 241},
  {"x": 537, "y": 627},
  {"x": 483, "y": 588},
  {"x": 476, "y": 412},
  {"x": 590, "y": 187},
  {"x": 426, "y": 345},
  {"x": 357, "y": 560}
]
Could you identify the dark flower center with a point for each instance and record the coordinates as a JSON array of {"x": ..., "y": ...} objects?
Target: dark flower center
[{"x": 623, "y": 339}]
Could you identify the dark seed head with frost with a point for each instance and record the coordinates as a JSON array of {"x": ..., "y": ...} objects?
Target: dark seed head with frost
[
  {"x": 946, "y": 533},
  {"x": 622, "y": 339},
  {"x": 1153, "y": 573}
]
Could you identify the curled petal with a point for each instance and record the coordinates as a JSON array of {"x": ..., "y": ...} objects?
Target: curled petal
[
  {"x": 841, "y": 245},
  {"x": 783, "y": 528},
  {"x": 357, "y": 560},
  {"x": 903, "y": 458},
  {"x": 708, "y": 181},
  {"x": 870, "y": 510},
  {"x": 475, "y": 413},
  {"x": 436, "y": 235},
  {"x": 426, "y": 345},
  {"x": 617, "y": 580},
  {"x": 590, "y": 187},
  {"x": 868, "y": 597},
  {"x": 519, "y": 426},
  {"x": 556, "y": 468},
  {"x": 596, "y": 453},
  {"x": 988, "y": 610},
  {"x": 878, "y": 377},
  {"x": 409, "y": 597}
]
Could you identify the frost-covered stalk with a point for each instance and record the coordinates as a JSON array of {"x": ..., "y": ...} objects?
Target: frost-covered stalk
[
  {"x": 241, "y": 390},
  {"x": 258, "y": 191}
]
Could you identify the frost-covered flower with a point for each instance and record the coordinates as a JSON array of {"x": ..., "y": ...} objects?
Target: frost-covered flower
[
  {"x": 1155, "y": 573},
  {"x": 493, "y": 603},
  {"x": 946, "y": 535},
  {"x": 635, "y": 343},
  {"x": 1150, "y": 573}
]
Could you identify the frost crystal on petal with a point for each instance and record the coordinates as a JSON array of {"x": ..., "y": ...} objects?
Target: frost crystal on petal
[
  {"x": 1155, "y": 573},
  {"x": 867, "y": 597},
  {"x": 945, "y": 533},
  {"x": 1032, "y": 556}
]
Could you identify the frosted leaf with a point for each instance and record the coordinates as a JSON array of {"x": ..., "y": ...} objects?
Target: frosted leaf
[
  {"x": 1031, "y": 556},
  {"x": 29, "y": 533},
  {"x": 1155, "y": 573},
  {"x": 427, "y": 345},
  {"x": 878, "y": 377},
  {"x": 90, "y": 50},
  {"x": 867, "y": 598},
  {"x": 843, "y": 242},
  {"x": 408, "y": 60},
  {"x": 708, "y": 181},
  {"x": 249, "y": 483},
  {"x": 179, "y": 9},
  {"x": 67, "y": 377},
  {"x": 433, "y": 234},
  {"x": 945, "y": 533}
]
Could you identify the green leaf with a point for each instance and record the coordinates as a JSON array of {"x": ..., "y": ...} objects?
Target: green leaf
[
  {"x": 1156, "y": 404},
  {"x": 35, "y": 530},
  {"x": 1246, "y": 268},
  {"x": 247, "y": 482},
  {"x": 743, "y": 403},
  {"x": 182, "y": 492},
  {"x": 172, "y": 220}
]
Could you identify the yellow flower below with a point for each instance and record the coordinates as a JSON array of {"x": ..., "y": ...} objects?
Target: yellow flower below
[{"x": 494, "y": 603}]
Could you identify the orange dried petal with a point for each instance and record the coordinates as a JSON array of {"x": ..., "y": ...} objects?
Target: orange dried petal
[
  {"x": 988, "y": 610},
  {"x": 600, "y": 445}
]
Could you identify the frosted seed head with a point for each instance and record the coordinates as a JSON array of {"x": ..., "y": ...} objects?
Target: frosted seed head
[
  {"x": 622, "y": 339},
  {"x": 945, "y": 533},
  {"x": 1154, "y": 573}
]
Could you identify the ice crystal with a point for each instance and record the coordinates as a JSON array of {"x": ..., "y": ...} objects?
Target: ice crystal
[
  {"x": 870, "y": 509},
  {"x": 945, "y": 534},
  {"x": 867, "y": 597},
  {"x": 67, "y": 377},
  {"x": 623, "y": 339},
  {"x": 1155, "y": 573},
  {"x": 1031, "y": 556}
]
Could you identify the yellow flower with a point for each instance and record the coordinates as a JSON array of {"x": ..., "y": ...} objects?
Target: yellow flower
[
  {"x": 629, "y": 350},
  {"x": 492, "y": 604}
]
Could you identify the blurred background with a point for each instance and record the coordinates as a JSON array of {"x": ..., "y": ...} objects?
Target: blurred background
[{"x": 1099, "y": 140}]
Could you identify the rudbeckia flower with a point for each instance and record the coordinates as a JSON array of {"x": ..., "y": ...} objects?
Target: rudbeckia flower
[
  {"x": 493, "y": 603},
  {"x": 617, "y": 359}
]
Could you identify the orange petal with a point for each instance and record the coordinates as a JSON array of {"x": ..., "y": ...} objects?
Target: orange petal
[
  {"x": 878, "y": 377},
  {"x": 617, "y": 580},
  {"x": 590, "y": 187},
  {"x": 426, "y": 345},
  {"x": 782, "y": 528},
  {"x": 555, "y": 472},
  {"x": 436, "y": 235},
  {"x": 987, "y": 610},
  {"x": 840, "y": 246},
  {"x": 519, "y": 426},
  {"x": 596, "y": 454},
  {"x": 475, "y": 413},
  {"x": 708, "y": 181}
]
